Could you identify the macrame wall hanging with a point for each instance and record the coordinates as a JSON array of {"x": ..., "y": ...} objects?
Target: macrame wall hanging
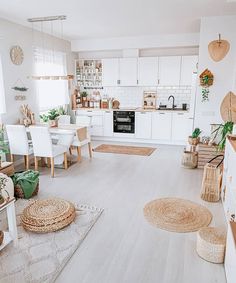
[
  {"x": 20, "y": 90},
  {"x": 206, "y": 80},
  {"x": 218, "y": 49}
]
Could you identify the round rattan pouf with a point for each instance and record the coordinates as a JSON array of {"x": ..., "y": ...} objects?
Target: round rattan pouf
[
  {"x": 49, "y": 215},
  {"x": 211, "y": 244}
]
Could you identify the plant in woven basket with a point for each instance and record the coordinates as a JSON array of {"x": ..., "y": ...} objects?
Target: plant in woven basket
[
  {"x": 224, "y": 130},
  {"x": 194, "y": 139}
]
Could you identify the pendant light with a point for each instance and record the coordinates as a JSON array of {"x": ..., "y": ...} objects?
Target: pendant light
[{"x": 51, "y": 19}]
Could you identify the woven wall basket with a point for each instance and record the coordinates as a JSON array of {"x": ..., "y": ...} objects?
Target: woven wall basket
[
  {"x": 218, "y": 49},
  {"x": 228, "y": 107}
]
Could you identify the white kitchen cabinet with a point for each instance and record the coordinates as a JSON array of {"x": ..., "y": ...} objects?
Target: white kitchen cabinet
[
  {"x": 181, "y": 126},
  {"x": 148, "y": 71},
  {"x": 108, "y": 123},
  {"x": 110, "y": 72},
  {"x": 169, "y": 70},
  {"x": 143, "y": 125},
  {"x": 96, "y": 121},
  {"x": 161, "y": 125},
  {"x": 128, "y": 71},
  {"x": 188, "y": 68}
]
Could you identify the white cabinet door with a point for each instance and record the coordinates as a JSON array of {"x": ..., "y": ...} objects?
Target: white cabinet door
[
  {"x": 148, "y": 71},
  {"x": 128, "y": 71},
  {"x": 143, "y": 125},
  {"x": 110, "y": 72},
  {"x": 108, "y": 123},
  {"x": 181, "y": 126},
  {"x": 169, "y": 70},
  {"x": 161, "y": 125},
  {"x": 188, "y": 68}
]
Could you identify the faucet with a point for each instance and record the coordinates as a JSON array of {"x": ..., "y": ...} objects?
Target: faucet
[{"x": 173, "y": 104}]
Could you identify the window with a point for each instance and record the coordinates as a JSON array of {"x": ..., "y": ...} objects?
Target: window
[
  {"x": 51, "y": 93},
  {"x": 2, "y": 92}
]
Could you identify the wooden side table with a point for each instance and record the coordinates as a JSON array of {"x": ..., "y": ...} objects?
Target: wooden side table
[
  {"x": 10, "y": 235},
  {"x": 7, "y": 168}
]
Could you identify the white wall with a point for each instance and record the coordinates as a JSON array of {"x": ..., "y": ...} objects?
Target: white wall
[
  {"x": 13, "y": 34},
  {"x": 224, "y": 71}
]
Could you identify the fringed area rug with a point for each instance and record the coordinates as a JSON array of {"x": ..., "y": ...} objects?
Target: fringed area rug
[
  {"x": 123, "y": 149},
  {"x": 41, "y": 257},
  {"x": 177, "y": 215}
]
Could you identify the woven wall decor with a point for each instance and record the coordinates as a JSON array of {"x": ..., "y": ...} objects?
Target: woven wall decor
[
  {"x": 206, "y": 80},
  {"x": 218, "y": 49},
  {"x": 228, "y": 107}
]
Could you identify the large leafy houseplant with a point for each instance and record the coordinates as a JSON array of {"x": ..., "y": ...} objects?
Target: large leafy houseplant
[{"x": 223, "y": 130}]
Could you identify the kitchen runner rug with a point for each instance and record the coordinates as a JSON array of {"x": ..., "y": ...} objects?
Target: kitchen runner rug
[
  {"x": 41, "y": 257},
  {"x": 177, "y": 215},
  {"x": 122, "y": 149}
]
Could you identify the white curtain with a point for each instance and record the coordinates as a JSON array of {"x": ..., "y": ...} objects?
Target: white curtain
[
  {"x": 2, "y": 91},
  {"x": 51, "y": 93}
]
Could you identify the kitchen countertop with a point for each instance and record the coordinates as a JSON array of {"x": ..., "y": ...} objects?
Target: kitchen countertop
[{"x": 138, "y": 109}]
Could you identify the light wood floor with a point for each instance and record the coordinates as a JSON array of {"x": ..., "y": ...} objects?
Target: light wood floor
[{"x": 122, "y": 246}]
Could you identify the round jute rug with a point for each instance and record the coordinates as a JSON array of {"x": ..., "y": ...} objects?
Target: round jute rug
[{"x": 177, "y": 215}]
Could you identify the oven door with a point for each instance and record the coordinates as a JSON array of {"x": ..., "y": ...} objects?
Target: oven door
[{"x": 123, "y": 128}]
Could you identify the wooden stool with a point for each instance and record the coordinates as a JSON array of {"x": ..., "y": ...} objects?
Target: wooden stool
[{"x": 211, "y": 243}]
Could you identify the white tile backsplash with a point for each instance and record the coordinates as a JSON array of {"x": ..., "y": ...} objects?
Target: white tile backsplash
[{"x": 133, "y": 96}]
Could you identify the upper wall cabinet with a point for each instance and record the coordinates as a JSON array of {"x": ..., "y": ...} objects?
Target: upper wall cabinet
[
  {"x": 147, "y": 71},
  {"x": 110, "y": 72},
  {"x": 188, "y": 67},
  {"x": 169, "y": 70},
  {"x": 128, "y": 71}
]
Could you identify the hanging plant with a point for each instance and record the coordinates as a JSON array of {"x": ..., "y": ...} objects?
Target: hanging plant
[{"x": 206, "y": 80}]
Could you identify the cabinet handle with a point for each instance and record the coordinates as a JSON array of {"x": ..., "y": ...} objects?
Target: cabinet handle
[
  {"x": 137, "y": 82},
  {"x": 143, "y": 112},
  {"x": 89, "y": 111},
  {"x": 158, "y": 81},
  {"x": 162, "y": 113},
  {"x": 180, "y": 113},
  {"x": 190, "y": 118},
  {"x": 118, "y": 82},
  {"x": 108, "y": 111}
]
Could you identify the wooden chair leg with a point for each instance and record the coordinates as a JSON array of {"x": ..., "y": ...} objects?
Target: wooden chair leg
[
  {"x": 48, "y": 162},
  {"x": 52, "y": 167},
  {"x": 12, "y": 157},
  {"x": 65, "y": 161},
  {"x": 90, "y": 149},
  {"x": 25, "y": 160},
  {"x": 70, "y": 150},
  {"x": 27, "y": 164},
  {"x": 79, "y": 153},
  {"x": 36, "y": 166}
]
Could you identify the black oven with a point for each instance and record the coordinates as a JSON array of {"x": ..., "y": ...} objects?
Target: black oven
[{"x": 123, "y": 122}]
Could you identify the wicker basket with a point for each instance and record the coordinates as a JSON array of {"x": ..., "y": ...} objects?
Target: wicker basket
[
  {"x": 193, "y": 141},
  {"x": 211, "y": 182},
  {"x": 1, "y": 237},
  {"x": 19, "y": 193},
  {"x": 190, "y": 159},
  {"x": 211, "y": 243}
]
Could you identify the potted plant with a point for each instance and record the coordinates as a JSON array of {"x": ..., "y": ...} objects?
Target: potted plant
[
  {"x": 224, "y": 130},
  {"x": 51, "y": 117},
  {"x": 3, "y": 184},
  {"x": 194, "y": 139},
  {"x": 3, "y": 145}
]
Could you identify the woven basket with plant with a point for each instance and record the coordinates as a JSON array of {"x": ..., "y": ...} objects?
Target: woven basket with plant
[{"x": 194, "y": 139}]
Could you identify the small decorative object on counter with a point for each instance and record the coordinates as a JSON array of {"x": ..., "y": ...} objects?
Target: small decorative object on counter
[
  {"x": 211, "y": 182},
  {"x": 206, "y": 80},
  {"x": 190, "y": 159},
  {"x": 26, "y": 184},
  {"x": 194, "y": 139},
  {"x": 115, "y": 104},
  {"x": 206, "y": 139},
  {"x": 1, "y": 237},
  {"x": 149, "y": 99},
  {"x": 76, "y": 99},
  {"x": 218, "y": 49}
]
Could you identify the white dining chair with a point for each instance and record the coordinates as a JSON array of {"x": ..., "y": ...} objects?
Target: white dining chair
[
  {"x": 82, "y": 138},
  {"x": 43, "y": 147},
  {"x": 19, "y": 143},
  {"x": 64, "y": 119}
]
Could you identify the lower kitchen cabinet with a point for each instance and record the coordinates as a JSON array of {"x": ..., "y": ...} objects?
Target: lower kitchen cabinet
[
  {"x": 181, "y": 126},
  {"x": 161, "y": 125},
  {"x": 143, "y": 125},
  {"x": 108, "y": 123}
]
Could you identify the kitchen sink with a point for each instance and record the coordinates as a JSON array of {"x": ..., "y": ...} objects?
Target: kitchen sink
[{"x": 173, "y": 109}]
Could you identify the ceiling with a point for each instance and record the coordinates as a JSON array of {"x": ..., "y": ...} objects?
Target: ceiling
[{"x": 109, "y": 18}]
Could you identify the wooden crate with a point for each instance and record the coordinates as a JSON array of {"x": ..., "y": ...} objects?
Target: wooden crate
[{"x": 206, "y": 153}]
